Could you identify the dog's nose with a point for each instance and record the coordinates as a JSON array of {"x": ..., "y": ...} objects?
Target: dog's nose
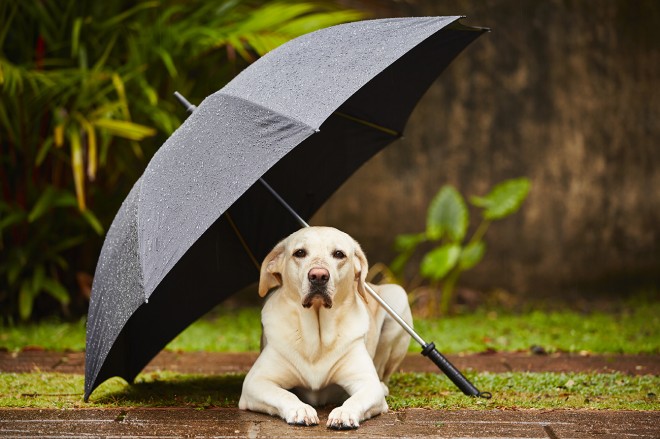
[{"x": 318, "y": 276}]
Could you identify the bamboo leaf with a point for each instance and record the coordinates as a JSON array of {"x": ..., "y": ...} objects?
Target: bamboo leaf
[
  {"x": 239, "y": 47},
  {"x": 93, "y": 221},
  {"x": 137, "y": 150},
  {"x": 43, "y": 151},
  {"x": 118, "y": 83},
  {"x": 6, "y": 26},
  {"x": 11, "y": 219},
  {"x": 50, "y": 198},
  {"x": 106, "y": 53},
  {"x": 38, "y": 278},
  {"x": 75, "y": 35},
  {"x": 167, "y": 61},
  {"x": 77, "y": 167},
  {"x": 314, "y": 22},
  {"x": 125, "y": 129},
  {"x": 4, "y": 118},
  {"x": 25, "y": 301},
  {"x": 114, "y": 21},
  {"x": 15, "y": 269},
  {"x": 66, "y": 245},
  {"x": 58, "y": 135},
  {"x": 92, "y": 154},
  {"x": 56, "y": 290}
]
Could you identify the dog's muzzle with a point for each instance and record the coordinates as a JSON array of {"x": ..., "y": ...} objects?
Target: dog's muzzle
[{"x": 318, "y": 288}]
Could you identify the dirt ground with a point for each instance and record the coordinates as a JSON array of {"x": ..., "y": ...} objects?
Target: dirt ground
[
  {"x": 216, "y": 363},
  {"x": 231, "y": 423}
]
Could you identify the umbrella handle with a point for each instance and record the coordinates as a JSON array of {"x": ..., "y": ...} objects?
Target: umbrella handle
[
  {"x": 431, "y": 352},
  {"x": 452, "y": 373}
]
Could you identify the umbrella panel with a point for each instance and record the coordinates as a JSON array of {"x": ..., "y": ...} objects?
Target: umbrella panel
[{"x": 189, "y": 291}]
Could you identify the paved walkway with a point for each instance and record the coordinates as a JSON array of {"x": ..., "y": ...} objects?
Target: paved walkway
[{"x": 234, "y": 423}]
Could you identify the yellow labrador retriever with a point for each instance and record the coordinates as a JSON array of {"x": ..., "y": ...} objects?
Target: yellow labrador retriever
[{"x": 325, "y": 340}]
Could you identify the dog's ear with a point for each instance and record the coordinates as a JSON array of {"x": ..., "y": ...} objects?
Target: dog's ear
[
  {"x": 361, "y": 270},
  {"x": 271, "y": 270}
]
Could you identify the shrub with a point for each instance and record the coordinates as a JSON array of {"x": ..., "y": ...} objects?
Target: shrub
[
  {"x": 86, "y": 100},
  {"x": 447, "y": 225}
]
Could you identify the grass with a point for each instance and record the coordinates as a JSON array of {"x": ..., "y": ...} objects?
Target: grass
[
  {"x": 634, "y": 330},
  {"x": 408, "y": 390}
]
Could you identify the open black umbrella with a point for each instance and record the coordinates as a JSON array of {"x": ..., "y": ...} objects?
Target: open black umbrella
[{"x": 197, "y": 223}]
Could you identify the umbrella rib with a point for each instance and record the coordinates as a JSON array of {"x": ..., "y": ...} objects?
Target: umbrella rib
[
  {"x": 386, "y": 130},
  {"x": 242, "y": 241}
]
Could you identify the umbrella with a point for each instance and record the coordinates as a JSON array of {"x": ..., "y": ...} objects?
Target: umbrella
[{"x": 195, "y": 226}]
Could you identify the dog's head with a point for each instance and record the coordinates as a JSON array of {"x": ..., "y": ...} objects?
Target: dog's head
[{"x": 318, "y": 263}]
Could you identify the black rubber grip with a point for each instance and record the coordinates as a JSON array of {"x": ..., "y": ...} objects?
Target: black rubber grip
[{"x": 454, "y": 374}]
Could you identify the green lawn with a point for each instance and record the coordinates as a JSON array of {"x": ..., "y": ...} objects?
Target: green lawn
[{"x": 635, "y": 329}]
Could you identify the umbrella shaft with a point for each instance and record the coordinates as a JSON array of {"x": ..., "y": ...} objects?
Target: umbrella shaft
[
  {"x": 396, "y": 316},
  {"x": 284, "y": 204}
]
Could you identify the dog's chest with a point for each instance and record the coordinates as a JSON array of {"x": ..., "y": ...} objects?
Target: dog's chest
[{"x": 316, "y": 346}]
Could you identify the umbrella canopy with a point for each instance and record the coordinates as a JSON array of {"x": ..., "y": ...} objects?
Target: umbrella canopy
[{"x": 197, "y": 223}]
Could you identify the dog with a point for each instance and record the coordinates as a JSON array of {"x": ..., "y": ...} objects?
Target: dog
[{"x": 325, "y": 339}]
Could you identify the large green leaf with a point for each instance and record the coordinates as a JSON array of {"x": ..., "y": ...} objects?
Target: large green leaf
[
  {"x": 447, "y": 215},
  {"x": 505, "y": 198},
  {"x": 439, "y": 262},
  {"x": 407, "y": 242},
  {"x": 471, "y": 255}
]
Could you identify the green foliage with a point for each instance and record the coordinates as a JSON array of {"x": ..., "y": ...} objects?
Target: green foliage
[
  {"x": 447, "y": 225},
  {"x": 85, "y": 100}
]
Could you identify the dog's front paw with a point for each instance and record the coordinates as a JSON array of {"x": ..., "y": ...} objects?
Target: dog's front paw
[
  {"x": 343, "y": 419},
  {"x": 302, "y": 414}
]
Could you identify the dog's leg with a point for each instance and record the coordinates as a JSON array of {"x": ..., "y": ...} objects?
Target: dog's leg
[
  {"x": 261, "y": 393},
  {"x": 367, "y": 398}
]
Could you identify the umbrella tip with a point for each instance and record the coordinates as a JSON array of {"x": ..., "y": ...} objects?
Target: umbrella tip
[{"x": 183, "y": 101}]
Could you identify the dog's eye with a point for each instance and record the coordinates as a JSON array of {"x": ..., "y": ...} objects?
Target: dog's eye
[
  {"x": 338, "y": 254},
  {"x": 300, "y": 253}
]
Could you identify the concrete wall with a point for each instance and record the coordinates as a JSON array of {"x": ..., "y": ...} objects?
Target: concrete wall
[{"x": 563, "y": 92}]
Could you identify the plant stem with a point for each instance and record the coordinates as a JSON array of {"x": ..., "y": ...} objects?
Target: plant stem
[
  {"x": 448, "y": 291},
  {"x": 480, "y": 232}
]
